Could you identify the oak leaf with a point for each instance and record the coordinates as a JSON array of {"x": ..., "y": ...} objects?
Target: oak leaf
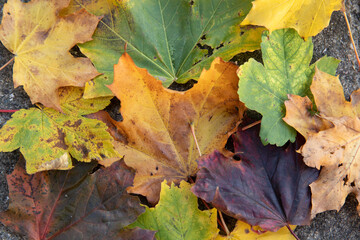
[
  {"x": 264, "y": 87},
  {"x": 332, "y": 140},
  {"x": 41, "y": 41},
  {"x": 47, "y": 137},
  {"x": 177, "y": 217},
  {"x": 165, "y": 37},
  {"x": 74, "y": 204},
  {"x": 308, "y": 17},
  {"x": 244, "y": 231},
  {"x": 268, "y": 187},
  {"x": 158, "y": 141}
]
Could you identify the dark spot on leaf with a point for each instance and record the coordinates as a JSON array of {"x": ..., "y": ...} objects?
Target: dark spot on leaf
[
  {"x": 151, "y": 174},
  {"x": 8, "y": 13},
  {"x": 41, "y": 36},
  {"x": 61, "y": 142},
  {"x": 236, "y": 157},
  {"x": 343, "y": 147},
  {"x": 155, "y": 58},
  {"x": 352, "y": 184},
  {"x": 77, "y": 123},
  {"x": 84, "y": 151},
  {"x": 242, "y": 33},
  {"x": 99, "y": 145},
  {"x": 247, "y": 231},
  {"x": 157, "y": 168},
  {"x": 332, "y": 152},
  {"x": 191, "y": 2},
  {"x": 91, "y": 104},
  {"x": 102, "y": 155},
  {"x": 340, "y": 165},
  {"x": 210, "y": 118},
  {"x": 346, "y": 179}
]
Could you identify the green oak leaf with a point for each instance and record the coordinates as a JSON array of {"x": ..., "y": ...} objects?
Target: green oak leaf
[
  {"x": 286, "y": 70},
  {"x": 47, "y": 138},
  {"x": 177, "y": 216},
  {"x": 165, "y": 37}
]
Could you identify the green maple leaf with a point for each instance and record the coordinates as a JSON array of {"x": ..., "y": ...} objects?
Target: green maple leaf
[
  {"x": 177, "y": 216},
  {"x": 47, "y": 137},
  {"x": 286, "y": 70},
  {"x": 164, "y": 36}
]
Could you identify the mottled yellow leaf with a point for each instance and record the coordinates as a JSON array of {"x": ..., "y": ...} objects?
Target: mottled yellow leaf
[{"x": 41, "y": 41}]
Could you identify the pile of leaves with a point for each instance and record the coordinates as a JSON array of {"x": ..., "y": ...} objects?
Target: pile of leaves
[{"x": 89, "y": 175}]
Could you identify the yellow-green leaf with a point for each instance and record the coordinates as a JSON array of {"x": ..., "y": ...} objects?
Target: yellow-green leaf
[
  {"x": 46, "y": 137},
  {"x": 177, "y": 217}
]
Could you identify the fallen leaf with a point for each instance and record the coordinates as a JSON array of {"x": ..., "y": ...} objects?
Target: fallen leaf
[
  {"x": 41, "y": 41},
  {"x": 307, "y": 17},
  {"x": 47, "y": 138},
  {"x": 332, "y": 144},
  {"x": 72, "y": 204},
  {"x": 244, "y": 231},
  {"x": 73, "y": 103},
  {"x": 171, "y": 48},
  {"x": 158, "y": 140},
  {"x": 286, "y": 70},
  {"x": 268, "y": 186},
  {"x": 177, "y": 216}
]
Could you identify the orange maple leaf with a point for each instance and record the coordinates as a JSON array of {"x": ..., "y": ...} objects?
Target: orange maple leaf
[{"x": 157, "y": 122}]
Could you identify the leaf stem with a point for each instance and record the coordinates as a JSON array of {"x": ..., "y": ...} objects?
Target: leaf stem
[
  {"x": 224, "y": 224},
  {"x": 292, "y": 232},
  {"x": 194, "y": 136},
  {"x": 251, "y": 125},
  {"x": 12, "y": 59},
  {"x": 351, "y": 36},
  {"x": 8, "y": 110}
]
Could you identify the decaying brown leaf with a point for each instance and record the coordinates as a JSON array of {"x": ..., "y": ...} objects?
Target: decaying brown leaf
[
  {"x": 333, "y": 140},
  {"x": 158, "y": 140}
]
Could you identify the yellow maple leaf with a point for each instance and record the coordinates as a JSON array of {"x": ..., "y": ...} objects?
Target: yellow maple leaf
[
  {"x": 41, "y": 41},
  {"x": 243, "y": 231},
  {"x": 158, "y": 141},
  {"x": 333, "y": 140},
  {"x": 308, "y": 17}
]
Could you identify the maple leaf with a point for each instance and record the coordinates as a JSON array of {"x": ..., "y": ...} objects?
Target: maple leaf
[
  {"x": 41, "y": 41},
  {"x": 157, "y": 137},
  {"x": 46, "y": 137},
  {"x": 286, "y": 70},
  {"x": 332, "y": 140},
  {"x": 244, "y": 231},
  {"x": 72, "y": 204},
  {"x": 169, "y": 49},
  {"x": 268, "y": 186},
  {"x": 308, "y": 17},
  {"x": 177, "y": 216}
]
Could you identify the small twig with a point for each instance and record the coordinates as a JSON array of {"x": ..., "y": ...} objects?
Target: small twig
[
  {"x": 292, "y": 232},
  {"x": 351, "y": 36},
  {"x": 7, "y": 110},
  {"x": 223, "y": 222},
  {"x": 194, "y": 136},
  {"x": 12, "y": 59},
  {"x": 251, "y": 125}
]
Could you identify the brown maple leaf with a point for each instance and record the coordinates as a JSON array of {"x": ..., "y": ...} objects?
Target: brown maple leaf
[
  {"x": 158, "y": 140},
  {"x": 333, "y": 140},
  {"x": 41, "y": 40}
]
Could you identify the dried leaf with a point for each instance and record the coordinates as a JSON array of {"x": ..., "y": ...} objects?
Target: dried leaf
[{"x": 333, "y": 144}]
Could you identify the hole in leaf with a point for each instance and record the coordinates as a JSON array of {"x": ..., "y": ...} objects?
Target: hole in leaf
[
  {"x": 352, "y": 184},
  {"x": 345, "y": 179},
  {"x": 181, "y": 87},
  {"x": 340, "y": 165}
]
